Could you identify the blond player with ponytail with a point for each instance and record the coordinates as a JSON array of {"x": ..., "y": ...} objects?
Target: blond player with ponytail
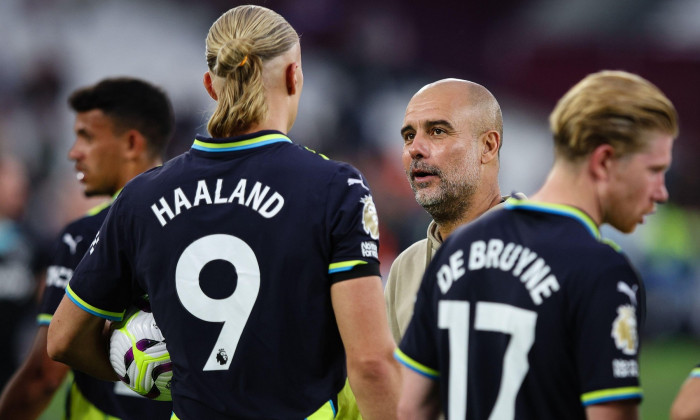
[{"x": 259, "y": 256}]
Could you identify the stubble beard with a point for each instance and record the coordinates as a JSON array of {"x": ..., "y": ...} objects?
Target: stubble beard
[{"x": 449, "y": 200}]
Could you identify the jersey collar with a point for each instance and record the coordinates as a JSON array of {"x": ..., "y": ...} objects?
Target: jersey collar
[
  {"x": 244, "y": 142},
  {"x": 560, "y": 209}
]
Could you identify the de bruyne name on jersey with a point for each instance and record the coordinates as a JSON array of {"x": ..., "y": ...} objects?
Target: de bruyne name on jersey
[{"x": 494, "y": 254}]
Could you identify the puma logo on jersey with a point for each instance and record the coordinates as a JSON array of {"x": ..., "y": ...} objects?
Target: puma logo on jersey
[
  {"x": 72, "y": 243},
  {"x": 353, "y": 181},
  {"x": 629, "y": 291}
]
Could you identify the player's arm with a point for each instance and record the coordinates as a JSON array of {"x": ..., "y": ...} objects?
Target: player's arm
[
  {"x": 78, "y": 339},
  {"x": 32, "y": 387},
  {"x": 419, "y": 397},
  {"x": 686, "y": 406},
  {"x": 616, "y": 410},
  {"x": 373, "y": 373}
]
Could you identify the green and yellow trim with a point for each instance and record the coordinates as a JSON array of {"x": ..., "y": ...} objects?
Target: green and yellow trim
[
  {"x": 98, "y": 208},
  {"x": 415, "y": 366},
  {"x": 241, "y": 144},
  {"x": 78, "y": 407},
  {"x": 44, "y": 319},
  {"x": 560, "y": 209},
  {"x": 339, "y": 267},
  {"x": 112, "y": 316},
  {"x": 612, "y": 394},
  {"x": 346, "y": 410}
]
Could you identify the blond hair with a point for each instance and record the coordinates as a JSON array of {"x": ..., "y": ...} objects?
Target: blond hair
[
  {"x": 238, "y": 44},
  {"x": 610, "y": 107}
]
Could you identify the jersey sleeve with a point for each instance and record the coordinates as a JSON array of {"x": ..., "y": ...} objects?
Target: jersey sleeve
[
  {"x": 67, "y": 251},
  {"x": 418, "y": 349},
  {"x": 101, "y": 283},
  {"x": 354, "y": 227},
  {"x": 607, "y": 341}
]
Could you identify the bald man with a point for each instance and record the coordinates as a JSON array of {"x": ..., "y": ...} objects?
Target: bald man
[{"x": 452, "y": 132}]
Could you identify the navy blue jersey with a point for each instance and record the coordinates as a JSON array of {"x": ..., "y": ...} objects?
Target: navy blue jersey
[
  {"x": 237, "y": 243},
  {"x": 526, "y": 314},
  {"x": 112, "y": 398}
]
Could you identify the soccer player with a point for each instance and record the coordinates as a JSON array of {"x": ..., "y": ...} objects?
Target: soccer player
[
  {"x": 526, "y": 313},
  {"x": 122, "y": 126},
  {"x": 259, "y": 256},
  {"x": 452, "y": 131}
]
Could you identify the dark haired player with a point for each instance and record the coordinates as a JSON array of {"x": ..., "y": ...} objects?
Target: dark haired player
[{"x": 122, "y": 126}]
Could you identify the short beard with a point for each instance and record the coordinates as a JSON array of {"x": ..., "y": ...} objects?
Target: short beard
[
  {"x": 450, "y": 204},
  {"x": 454, "y": 196}
]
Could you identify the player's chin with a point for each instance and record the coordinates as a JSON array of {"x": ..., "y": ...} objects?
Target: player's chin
[
  {"x": 627, "y": 225},
  {"x": 92, "y": 192}
]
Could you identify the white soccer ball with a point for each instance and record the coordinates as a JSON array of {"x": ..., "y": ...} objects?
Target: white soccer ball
[{"x": 139, "y": 356}]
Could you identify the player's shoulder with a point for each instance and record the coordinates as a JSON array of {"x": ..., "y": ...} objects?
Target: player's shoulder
[
  {"x": 320, "y": 161},
  {"x": 147, "y": 177},
  {"x": 89, "y": 222},
  {"x": 317, "y": 168},
  {"x": 604, "y": 255},
  {"x": 145, "y": 182}
]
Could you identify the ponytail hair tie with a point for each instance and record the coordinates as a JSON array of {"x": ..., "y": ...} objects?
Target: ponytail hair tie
[{"x": 242, "y": 63}]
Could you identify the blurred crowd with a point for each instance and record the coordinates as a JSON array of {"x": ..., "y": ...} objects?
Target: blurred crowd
[{"x": 363, "y": 61}]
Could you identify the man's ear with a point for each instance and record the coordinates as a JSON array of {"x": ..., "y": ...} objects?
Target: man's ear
[
  {"x": 291, "y": 78},
  {"x": 491, "y": 141},
  {"x": 208, "y": 85},
  {"x": 136, "y": 144},
  {"x": 601, "y": 161}
]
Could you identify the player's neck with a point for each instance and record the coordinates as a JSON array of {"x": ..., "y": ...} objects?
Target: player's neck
[
  {"x": 570, "y": 186},
  {"x": 278, "y": 114},
  {"x": 479, "y": 205},
  {"x": 132, "y": 169},
  {"x": 271, "y": 123}
]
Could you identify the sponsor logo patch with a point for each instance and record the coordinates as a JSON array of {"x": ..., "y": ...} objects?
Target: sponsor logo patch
[
  {"x": 370, "y": 221},
  {"x": 369, "y": 250},
  {"x": 58, "y": 276},
  {"x": 625, "y": 368},
  {"x": 624, "y": 330}
]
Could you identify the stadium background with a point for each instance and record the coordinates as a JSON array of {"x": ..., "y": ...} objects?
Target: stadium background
[{"x": 363, "y": 60}]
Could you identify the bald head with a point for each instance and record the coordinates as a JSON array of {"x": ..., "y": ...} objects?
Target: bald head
[
  {"x": 452, "y": 133},
  {"x": 468, "y": 100}
]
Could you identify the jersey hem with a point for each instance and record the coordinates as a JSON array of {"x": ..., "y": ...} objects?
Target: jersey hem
[
  {"x": 613, "y": 394},
  {"x": 415, "y": 366},
  {"x": 359, "y": 269},
  {"x": 112, "y": 316}
]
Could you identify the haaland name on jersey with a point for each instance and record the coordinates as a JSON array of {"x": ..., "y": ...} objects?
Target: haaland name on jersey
[
  {"x": 255, "y": 198},
  {"x": 511, "y": 257}
]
